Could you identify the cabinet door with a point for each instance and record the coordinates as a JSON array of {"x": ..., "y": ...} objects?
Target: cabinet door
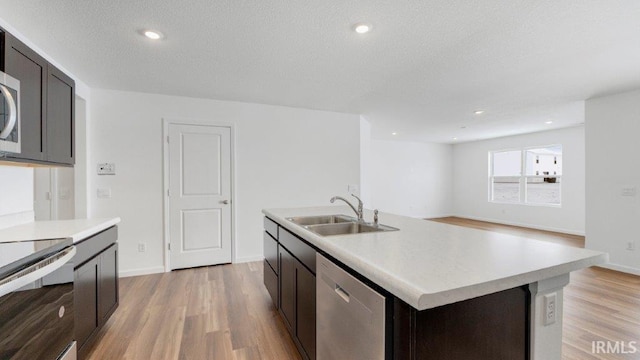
[
  {"x": 31, "y": 69},
  {"x": 287, "y": 278},
  {"x": 108, "y": 283},
  {"x": 60, "y": 117},
  {"x": 306, "y": 309},
  {"x": 85, "y": 298}
]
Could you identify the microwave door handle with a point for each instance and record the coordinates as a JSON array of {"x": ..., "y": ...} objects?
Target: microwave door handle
[
  {"x": 13, "y": 112},
  {"x": 36, "y": 271}
]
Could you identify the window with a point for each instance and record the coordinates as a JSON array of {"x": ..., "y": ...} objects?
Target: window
[{"x": 527, "y": 176}]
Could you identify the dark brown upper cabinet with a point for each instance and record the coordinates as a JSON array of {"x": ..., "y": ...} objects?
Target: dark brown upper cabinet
[{"x": 47, "y": 106}]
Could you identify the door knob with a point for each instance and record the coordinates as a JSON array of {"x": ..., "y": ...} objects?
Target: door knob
[{"x": 226, "y": 202}]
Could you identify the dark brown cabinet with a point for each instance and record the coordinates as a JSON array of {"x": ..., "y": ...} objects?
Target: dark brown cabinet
[
  {"x": 96, "y": 286},
  {"x": 288, "y": 288},
  {"x": 298, "y": 302},
  {"x": 294, "y": 271},
  {"x": 31, "y": 69},
  {"x": 47, "y": 106},
  {"x": 306, "y": 309},
  {"x": 60, "y": 120},
  {"x": 86, "y": 296}
]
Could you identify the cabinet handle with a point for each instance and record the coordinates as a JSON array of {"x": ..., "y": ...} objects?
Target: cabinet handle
[
  {"x": 12, "y": 113},
  {"x": 343, "y": 294},
  {"x": 226, "y": 202}
]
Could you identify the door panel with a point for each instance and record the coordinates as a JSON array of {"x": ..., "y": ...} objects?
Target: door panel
[
  {"x": 288, "y": 288},
  {"x": 31, "y": 69},
  {"x": 201, "y": 229},
  {"x": 199, "y": 195},
  {"x": 306, "y": 309},
  {"x": 60, "y": 117}
]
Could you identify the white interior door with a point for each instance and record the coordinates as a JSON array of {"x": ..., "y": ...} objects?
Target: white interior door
[{"x": 199, "y": 195}]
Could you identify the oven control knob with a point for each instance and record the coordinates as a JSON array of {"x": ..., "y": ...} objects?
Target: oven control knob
[{"x": 61, "y": 312}]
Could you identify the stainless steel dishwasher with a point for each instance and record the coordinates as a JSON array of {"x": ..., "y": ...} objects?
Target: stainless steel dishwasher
[{"x": 350, "y": 316}]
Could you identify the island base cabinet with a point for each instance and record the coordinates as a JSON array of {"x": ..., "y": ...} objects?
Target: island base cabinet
[
  {"x": 298, "y": 302},
  {"x": 494, "y": 326},
  {"x": 306, "y": 309},
  {"x": 271, "y": 282},
  {"x": 288, "y": 288}
]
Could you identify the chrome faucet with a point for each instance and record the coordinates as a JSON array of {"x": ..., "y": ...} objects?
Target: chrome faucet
[{"x": 359, "y": 211}]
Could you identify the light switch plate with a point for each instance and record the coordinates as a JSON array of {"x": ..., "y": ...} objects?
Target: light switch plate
[
  {"x": 104, "y": 193},
  {"x": 106, "y": 169},
  {"x": 628, "y": 191}
]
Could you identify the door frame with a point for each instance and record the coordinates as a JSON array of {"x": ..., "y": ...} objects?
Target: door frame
[{"x": 165, "y": 183}]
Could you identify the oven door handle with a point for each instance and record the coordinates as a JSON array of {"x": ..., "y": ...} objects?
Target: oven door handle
[
  {"x": 13, "y": 112},
  {"x": 36, "y": 271}
]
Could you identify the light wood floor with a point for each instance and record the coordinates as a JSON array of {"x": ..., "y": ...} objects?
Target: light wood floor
[{"x": 224, "y": 312}]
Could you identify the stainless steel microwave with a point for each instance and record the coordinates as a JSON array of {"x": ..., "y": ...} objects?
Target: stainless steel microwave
[{"x": 9, "y": 114}]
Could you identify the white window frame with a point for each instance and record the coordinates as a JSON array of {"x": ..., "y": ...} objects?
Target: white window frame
[{"x": 523, "y": 177}]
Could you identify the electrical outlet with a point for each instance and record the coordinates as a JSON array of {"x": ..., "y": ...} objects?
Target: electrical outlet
[
  {"x": 353, "y": 189},
  {"x": 107, "y": 169},
  {"x": 550, "y": 309},
  {"x": 142, "y": 247},
  {"x": 631, "y": 245}
]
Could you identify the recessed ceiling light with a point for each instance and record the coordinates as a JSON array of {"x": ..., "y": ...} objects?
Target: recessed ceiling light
[
  {"x": 478, "y": 112},
  {"x": 362, "y": 28},
  {"x": 455, "y": 138},
  {"x": 153, "y": 35},
  {"x": 548, "y": 122},
  {"x": 394, "y": 133}
]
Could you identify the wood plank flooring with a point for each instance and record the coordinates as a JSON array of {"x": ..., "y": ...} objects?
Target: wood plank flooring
[
  {"x": 217, "y": 312},
  {"x": 225, "y": 312}
]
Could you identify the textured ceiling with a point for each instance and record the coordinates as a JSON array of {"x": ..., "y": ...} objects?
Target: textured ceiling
[{"x": 421, "y": 72}]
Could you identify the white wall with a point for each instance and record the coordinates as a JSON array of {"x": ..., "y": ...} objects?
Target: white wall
[
  {"x": 410, "y": 178},
  {"x": 365, "y": 161},
  {"x": 16, "y": 195},
  {"x": 285, "y": 157},
  {"x": 613, "y": 163},
  {"x": 471, "y": 182}
]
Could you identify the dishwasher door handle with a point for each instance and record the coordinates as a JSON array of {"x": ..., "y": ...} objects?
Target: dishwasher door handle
[{"x": 343, "y": 294}]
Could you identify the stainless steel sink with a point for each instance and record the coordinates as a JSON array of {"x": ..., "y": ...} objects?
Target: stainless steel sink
[
  {"x": 347, "y": 228},
  {"x": 324, "y": 219}
]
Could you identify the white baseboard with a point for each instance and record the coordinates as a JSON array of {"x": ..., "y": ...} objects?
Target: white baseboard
[
  {"x": 621, "y": 268},
  {"x": 246, "y": 259},
  {"x": 138, "y": 272},
  {"x": 532, "y": 226},
  {"x": 16, "y": 219}
]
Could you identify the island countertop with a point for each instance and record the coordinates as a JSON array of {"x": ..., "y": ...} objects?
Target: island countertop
[
  {"x": 429, "y": 264},
  {"x": 76, "y": 229}
]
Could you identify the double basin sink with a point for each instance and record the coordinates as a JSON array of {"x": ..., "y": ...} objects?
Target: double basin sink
[{"x": 332, "y": 225}]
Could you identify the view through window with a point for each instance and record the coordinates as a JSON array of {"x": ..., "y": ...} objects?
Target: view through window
[{"x": 527, "y": 176}]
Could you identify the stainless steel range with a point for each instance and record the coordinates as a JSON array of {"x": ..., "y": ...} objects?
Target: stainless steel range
[{"x": 36, "y": 300}]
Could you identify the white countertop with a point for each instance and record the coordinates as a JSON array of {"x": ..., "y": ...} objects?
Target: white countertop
[
  {"x": 77, "y": 229},
  {"x": 429, "y": 264}
]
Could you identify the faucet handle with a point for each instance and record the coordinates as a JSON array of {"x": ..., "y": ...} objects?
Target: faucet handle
[{"x": 375, "y": 217}]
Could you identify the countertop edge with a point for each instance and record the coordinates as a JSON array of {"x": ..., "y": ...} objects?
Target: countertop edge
[{"x": 420, "y": 300}]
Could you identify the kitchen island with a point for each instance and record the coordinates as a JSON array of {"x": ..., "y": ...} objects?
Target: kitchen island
[{"x": 438, "y": 275}]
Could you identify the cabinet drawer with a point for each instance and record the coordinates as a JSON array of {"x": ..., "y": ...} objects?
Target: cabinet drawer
[
  {"x": 271, "y": 282},
  {"x": 90, "y": 247},
  {"x": 271, "y": 227},
  {"x": 303, "y": 252},
  {"x": 271, "y": 251}
]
